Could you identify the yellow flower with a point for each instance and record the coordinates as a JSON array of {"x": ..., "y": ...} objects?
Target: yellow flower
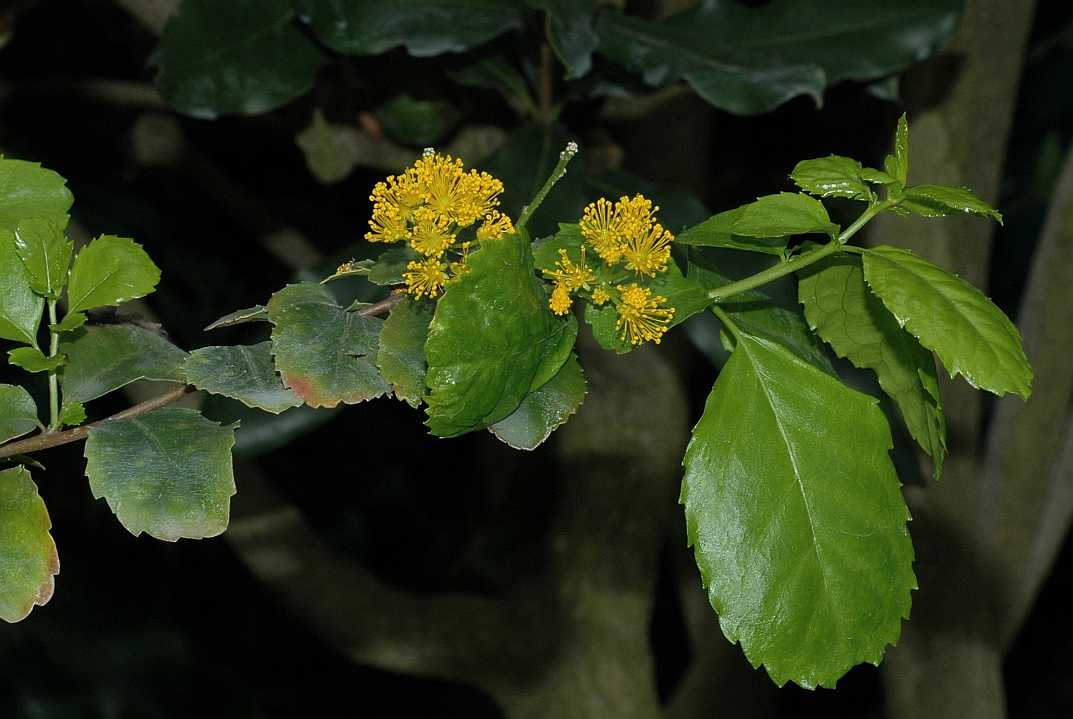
[
  {"x": 648, "y": 252},
  {"x": 426, "y": 277},
  {"x": 402, "y": 192},
  {"x": 572, "y": 277},
  {"x": 479, "y": 196},
  {"x": 600, "y": 295},
  {"x": 431, "y": 235},
  {"x": 601, "y": 225},
  {"x": 640, "y": 315},
  {"x": 560, "y": 299},
  {"x": 635, "y": 215},
  {"x": 387, "y": 224},
  {"x": 495, "y": 225},
  {"x": 440, "y": 178}
]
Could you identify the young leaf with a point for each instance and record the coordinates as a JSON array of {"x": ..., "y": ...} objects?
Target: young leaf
[
  {"x": 18, "y": 413},
  {"x": 72, "y": 414},
  {"x": 795, "y": 516},
  {"x": 257, "y": 313},
  {"x": 841, "y": 309},
  {"x": 939, "y": 200},
  {"x": 901, "y": 150},
  {"x": 952, "y": 318},
  {"x": 20, "y": 308},
  {"x": 45, "y": 253},
  {"x": 718, "y": 231},
  {"x": 29, "y": 190},
  {"x": 244, "y": 373},
  {"x": 32, "y": 359},
  {"x": 167, "y": 473},
  {"x": 831, "y": 176},
  {"x": 29, "y": 562},
  {"x": 70, "y": 322},
  {"x": 359, "y": 268},
  {"x": 322, "y": 351},
  {"x": 108, "y": 271},
  {"x": 103, "y": 358},
  {"x": 401, "y": 357},
  {"x": 544, "y": 410},
  {"x": 876, "y": 177}
]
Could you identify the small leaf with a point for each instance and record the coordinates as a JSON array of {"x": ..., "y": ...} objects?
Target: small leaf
[
  {"x": 570, "y": 31},
  {"x": 257, "y": 313},
  {"x": 45, "y": 253},
  {"x": 939, "y": 200},
  {"x": 832, "y": 176},
  {"x": 718, "y": 231},
  {"x": 20, "y": 307},
  {"x": 417, "y": 122},
  {"x": 543, "y": 410},
  {"x": 359, "y": 268},
  {"x": 103, "y": 358},
  {"x": 876, "y": 177},
  {"x": 245, "y": 373},
  {"x": 842, "y": 310},
  {"x": 322, "y": 351},
  {"x": 18, "y": 413},
  {"x": 28, "y": 560},
  {"x": 167, "y": 473},
  {"x": 32, "y": 359},
  {"x": 401, "y": 357},
  {"x": 390, "y": 265},
  {"x": 795, "y": 516},
  {"x": 70, "y": 322},
  {"x": 108, "y": 271},
  {"x": 901, "y": 151},
  {"x": 29, "y": 190},
  {"x": 952, "y": 318},
  {"x": 72, "y": 414}
]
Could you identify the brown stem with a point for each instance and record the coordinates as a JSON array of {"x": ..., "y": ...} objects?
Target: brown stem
[{"x": 383, "y": 306}]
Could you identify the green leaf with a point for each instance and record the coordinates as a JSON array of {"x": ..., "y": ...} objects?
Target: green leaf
[
  {"x": 45, "y": 253},
  {"x": 495, "y": 72},
  {"x": 351, "y": 268},
  {"x": 18, "y": 413},
  {"x": 241, "y": 56},
  {"x": 72, "y": 414},
  {"x": 569, "y": 26},
  {"x": 323, "y": 352},
  {"x": 245, "y": 373},
  {"x": 831, "y": 176},
  {"x": 29, "y": 190},
  {"x": 390, "y": 265},
  {"x": 20, "y": 308},
  {"x": 415, "y": 121},
  {"x": 424, "y": 27},
  {"x": 841, "y": 309},
  {"x": 488, "y": 340},
  {"x": 401, "y": 357},
  {"x": 940, "y": 200},
  {"x": 32, "y": 359},
  {"x": 544, "y": 410},
  {"x": 103, "y": 358},
  {"x": 108, "y": 271},
  {"x": 876, "y": 177},
  {"x": 29, "y": 561},
  {"x": 795, "y": 516},
  {"x": 787, "y": 213},
  {"x": 718, "y": 231},
  {"x": 901, "y": 150},
  {"x": 748, "y": 59},
  {"x": 257, "y": 313},
  {"x": 167, "y": 473},
  {"x": 952, "y": 318},
  {"x": 70, "y": 322}
]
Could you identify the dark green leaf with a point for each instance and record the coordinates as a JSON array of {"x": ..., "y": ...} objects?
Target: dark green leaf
[
  {"x": 70, "y": 322},
  {"x": 257, "y": 313},
  {"x": 240, "y": 56},
  {"x": 569, "y": 25},
  {"x": 32, "y": 359},
  {"x": 418, "y": 122},
  {"x": 72, "y": 414},
  {"x": 423, "y": 27},
  {"x": 103, "y": 358},
  {"x": 952, "y": 318},
  {"x": 544, "y": 410},
  {"x": 494, "y": 72},
  {"x": 939, "y": 200},
  {"x": 322, "y": 351},
  {"x": 45, "y": 253},
  {"x": 401, "y": 357},
  {"x": 29, "y": 190},
  {"x": 390, "y": 265},
  {"x": 831, "y": 176},
  {"x": 29, "y": 561},
  {"x": 167, "y": 473},
  {"x": 794, "y": 512},
  {"x": 245, "y": 373},
  {"x": 18, "y": 413},
  {"x": 841, "y": 309},
  {"x": 108, "y": 271},
  {"x": 489, "y": 339},
  {"x": 20, "y": 308}
]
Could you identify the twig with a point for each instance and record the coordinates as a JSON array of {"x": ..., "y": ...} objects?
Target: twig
[{"x": 383, "y": 306}]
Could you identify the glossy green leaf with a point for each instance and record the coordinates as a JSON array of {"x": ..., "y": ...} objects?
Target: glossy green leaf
[
  {"x": 72, "y": 414},
  {"x": 751, "y": 58},
  {"x": 831, "y": 176},
  {"x": 32, "y": 359},
  {"x": 415, "y": 121},
  {"x": 103, "y": 358},
  {"x": 20, "y": 307},
  {"x": 257, "y": 313},
  {"x": 29, "y": 562},
  {"x": 424, "y": 27},
  {"x": 401, "y": 357},
  {"x": 18, "y": 413},
  {"x": 544, "y": 410},
  {"x": 489, "y": 338},
  {"x": 787, "y": 213},
  {"x": 323, "y": 352},
  {"x": 108, "y": 271},
  {"x": 45, "y": 253},
  {"x": 70, "y": 322},
  {"x": 971, "y": 336},
  {"x": 876, "y": 177},
  {"x": 29, "y": 190},
  {"x": 241, "y": 372},
  {"x": 389, "y": 267},
  {"x": 240, "y": 56},
  {"x": 844, "y": 312},
  {"x": 167, "y": 473},
  {"x": 570, "y": 31},
  {"x": 718, "y": 231},
  {"x": 795, "y": 516},
  {"x": 940, "y": 200},
  {"x": 901, "y": 151}
]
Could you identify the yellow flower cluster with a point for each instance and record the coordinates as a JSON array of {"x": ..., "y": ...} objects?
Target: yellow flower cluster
[
  {"x": 428, "y": 206},
  {"x": 627, "y": 239}
]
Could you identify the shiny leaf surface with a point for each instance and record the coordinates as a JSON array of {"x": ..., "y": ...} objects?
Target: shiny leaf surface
[
  {"x": 401, "y": 357},
  {"x": 28, "y": 558},
  {"x": 241, "y": 372},
  {"x": 109, "y": 271},
  {"x": 103, "y": 358},
  {"x": 45, "y": 253},
  {"x": 544, "y": 410}
]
